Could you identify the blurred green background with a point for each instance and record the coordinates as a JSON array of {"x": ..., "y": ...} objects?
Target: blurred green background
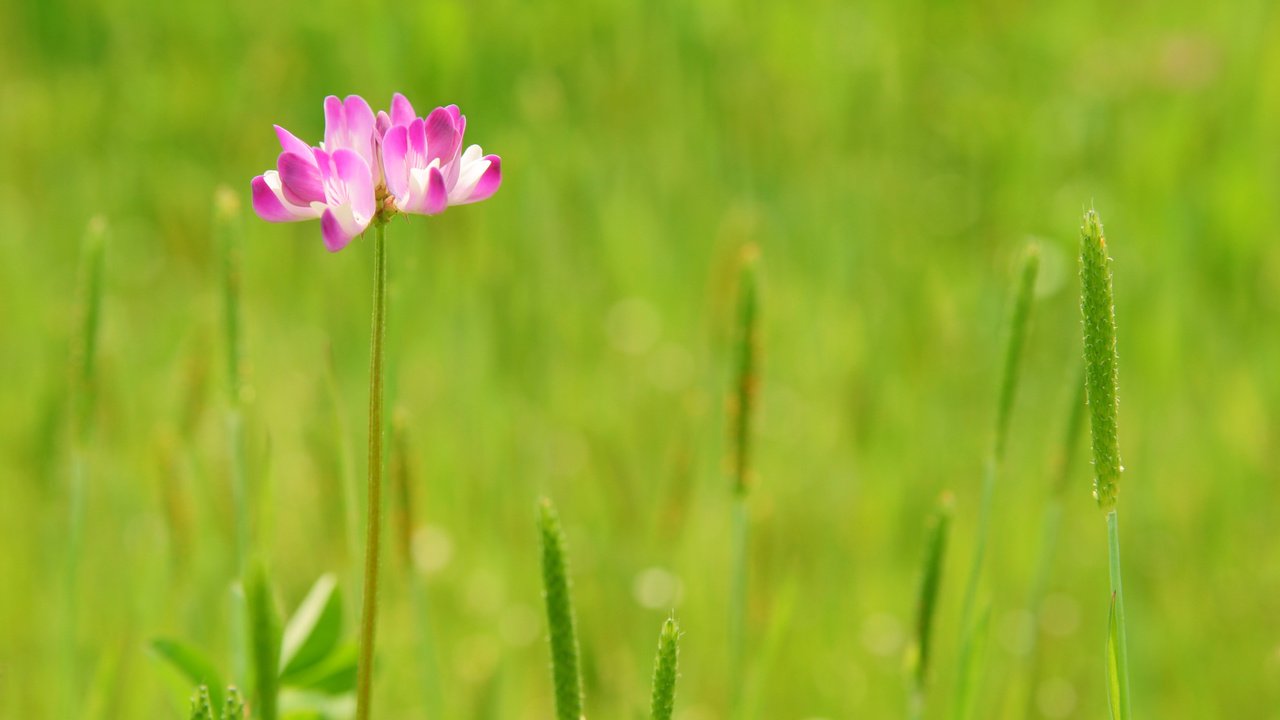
[{"x": 571, "y": 337}]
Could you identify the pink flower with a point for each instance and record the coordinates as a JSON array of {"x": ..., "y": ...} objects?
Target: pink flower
[
  {"x": 333, "y": 182},
  {"x": 415, "y": 163},
  {"x": 425, "y": 168}
]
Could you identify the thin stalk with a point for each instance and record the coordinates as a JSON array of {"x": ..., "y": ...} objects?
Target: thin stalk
[
  {"x": 1019, "y": 319},
  {"x": 82, "y": 399},
  {"x": 741, "y": 416},
  {"x": 350, "y": 503},
  {"x": 373, "y": 537},
  {"x": 401, "y": 477},
  {"x": 227, "y": 231},
  {"x": 738, "y": 603},
  {"x": 1051, "y": 526},
  {"x": 1121, "y": 645}
]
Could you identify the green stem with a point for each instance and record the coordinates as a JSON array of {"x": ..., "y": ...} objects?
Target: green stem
[
  {"x": 1122, "y": 650},
  {"x": 373, "y": 537},
  {"x": 738, "y": 605}
]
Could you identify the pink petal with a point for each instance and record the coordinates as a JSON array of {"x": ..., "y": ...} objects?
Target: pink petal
[
  {"x": 394, "y": 147},
  {"x": 267, "y": 205},
  {"x": 334, "y": 121},
  {"x": 290, "y": 143},
  {"x": 418, "y": 143},
  {"x": 437, "y": 196},
  {"x": 489, "y": 181},
  {"x": 300, "y": 178},
  {"x": 354, "y": 172},
  {"x": 271, "y": 205},
  {"x": 442, "y": 136},
  {"x": 402, "y": 112},
  {"x": 381, "y": 124},
  {"x": 335, "y": 237},
  {"x": 359, "y": 117}
]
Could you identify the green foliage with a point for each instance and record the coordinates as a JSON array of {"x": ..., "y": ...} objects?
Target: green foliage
[
  {"x": 1019, "y": 319},
  {"x": 264, "y": 643},
  {"x": 746, "y": 378},
  {"x": 1101, "y": 361},
  {"x": 314, "y": 630},
  {"x": 310, "y": 664},
  {"x": 193, "y": 664},
  {"x": 665, "y": 671},
  {"x": 887, "y": 158},
  {"x": 935, "y": 549},
  {"x": 565, "y": 672},
  {"x": 88, "y": 320}
]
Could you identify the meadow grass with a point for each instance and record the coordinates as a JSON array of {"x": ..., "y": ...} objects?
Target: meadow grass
[
  {"x": 746, "y": 382},
  {"x": 888, "y": 158},
  {"x": 969, "y": 666},
  {"x": 666, "y": 668},
  {"x": 920, "y": 650},
  {"x": 1097, "y": 306},
  {"x": 566, "y": 672},
  {"x": 82, "y": 394}
]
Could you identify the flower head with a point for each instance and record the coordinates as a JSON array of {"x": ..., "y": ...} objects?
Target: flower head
[{"x": 416, "y": 163}]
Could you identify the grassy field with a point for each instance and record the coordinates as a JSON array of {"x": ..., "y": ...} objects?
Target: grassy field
[{"x": 573, "y": 337}]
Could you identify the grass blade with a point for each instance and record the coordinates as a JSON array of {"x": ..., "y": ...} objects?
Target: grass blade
[
  {"x": 741, "y": 412},
  {"x": 264, "y": 641},
  {"x": 192, "y": 664},
  {"x": 927, "y": 602},
  {"x": 1019, "y": 320},
  {"x": 665, "y": 671},
  {"x": 566, "y": 675}
]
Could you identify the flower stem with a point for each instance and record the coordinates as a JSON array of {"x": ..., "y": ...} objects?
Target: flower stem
[
  {"x": 373, "y": 537},
  {"x": 1121, "y": 646}
]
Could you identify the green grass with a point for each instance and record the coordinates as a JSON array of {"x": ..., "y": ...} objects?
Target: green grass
[{"x": 573, "y": 337}]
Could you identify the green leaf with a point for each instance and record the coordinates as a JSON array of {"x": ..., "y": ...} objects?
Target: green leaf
[
  {"x": 300, "y": 705},
  {"x": 1113, "y": 664},
  {"x": 264, "y": 643},
  {"x": 334, "y": 675},
  {"x": 193, "y": 664},
  {"x": 313, "y": 631}
]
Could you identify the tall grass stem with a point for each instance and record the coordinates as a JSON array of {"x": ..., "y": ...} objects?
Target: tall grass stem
[
  {"x": 742, "y": 410},
  {"x": 82, "y": 395},
  {"x": 1019, "y": 319}
]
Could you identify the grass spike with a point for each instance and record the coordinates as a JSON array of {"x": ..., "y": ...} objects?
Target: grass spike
[
  {"x": 233, "y": 706},
  {"x": 565, "y": 670},
  {"x": 665, "y": 671},
  {"x": 1097, "y": 307}
]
